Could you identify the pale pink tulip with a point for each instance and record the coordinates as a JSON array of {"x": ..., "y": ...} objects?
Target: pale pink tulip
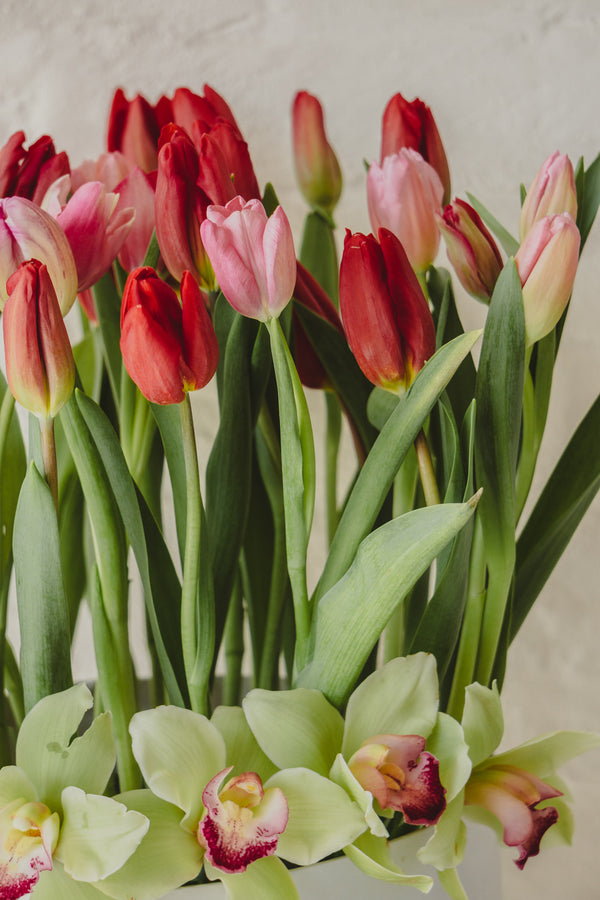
[
  {"x": 547, "y": 263},
  {"x": 109, "y": 168},
  {"x": 253, "y": 256},
  {"x": 96, "y": 230},
  {"x": 137, "y": 191},
  {"x": 28, "y": 232},
  {"x": 552, "y": 191},
  {"x": 403, "y": 195}
]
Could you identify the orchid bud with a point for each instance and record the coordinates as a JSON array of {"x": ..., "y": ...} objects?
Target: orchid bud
[
  {"x": 253, "y": 256},
  {"x": 547, "y": 262},
  {"x": 168, "y": 348},
  {"x": 28, "y": 232},
  {"x": 403, "y": 195},
  {"x": 317, "y": 169},
  {"x": 39, "y": 361},
  {"x": 386, "y": 317},
  {"x": 552, "y": 191},
  {"x": 411, "y": 124},
  {"x": 471, "y": 249}
]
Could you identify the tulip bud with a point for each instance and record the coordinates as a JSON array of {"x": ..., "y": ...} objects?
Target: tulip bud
[
  {"x": 168, "y": 348},
  {"x": 547, "y": 263},
  {"x": 96, "y": 230},
  {"x": 134, "y": 128},
  {"x": 411, "y": 124},
  {"x": 552, "y": 191},
  {"x": 225, "y": 167},
  {"x": 39, "y": 361},
  {"x": 253, "y": 256},
  {"x": 28, "y": 232},
  {"x": 180, "y": 208},
  {"x": 386, "y": 317},
  {"x": 403, "y": 195},
  {"x": 471, "y": 249},
  {"x": 317, "y": 169},
  {"x": 208, "y": 109},
  {"x": 29, "y": 173}
]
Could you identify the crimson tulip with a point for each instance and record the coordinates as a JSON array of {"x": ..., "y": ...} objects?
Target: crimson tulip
[
  {"x": 29, "y": 173},
  {"x": 168, "y": 347},
  {"x": 411, "y": 124},
  {"x": 471, "y": 249},
  {"x": 39, "y": 361},
  {"x": 225, "y": 167},
  {"x": 386, "y": 317},
  {"x": 180, "y": 208},
  {"x": 309, "y": 293},
  {"x": 317, "y": 169},
  {"x": 134, "y": 128},
  {"x": 208, "y": 108}
]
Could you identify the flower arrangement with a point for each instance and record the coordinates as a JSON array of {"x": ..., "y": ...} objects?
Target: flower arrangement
[{"x": 374, "y": 707}]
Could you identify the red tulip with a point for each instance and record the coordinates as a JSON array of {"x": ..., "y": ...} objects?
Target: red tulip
[
  {"x": 39, "y": 361},
  {"x": 411, "y": 124},
  {"x": 168, "y": 348},
  {"x": 29, "y": 173},
  {"x": 209, "y": 109},
  {"x": 385, "y": 314},
  {"x": 317, "y": 168},
  {"x": 134, "y": 128},
  {"x": 309, "y": 293},
  {"x": 471, "y": 249},
  {"x": 225, "y": 167}
]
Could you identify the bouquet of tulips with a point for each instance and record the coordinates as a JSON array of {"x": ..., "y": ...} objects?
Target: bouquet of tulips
[{"x": 374, "y": 701}]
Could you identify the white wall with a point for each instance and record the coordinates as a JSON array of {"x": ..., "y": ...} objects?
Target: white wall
[{"x": 509, "y": 83}]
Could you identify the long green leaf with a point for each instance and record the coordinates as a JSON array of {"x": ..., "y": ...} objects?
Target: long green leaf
[
  {"x": 43, "y": 616},
  {"x": 588, "y": 198},
  {"x": 162, "y": 591},
  {"x": 390, "y": 448},
  {"x": 108, "y": 311},
  {"x": 352, "y": 615},
  {"x": 499, "y": 397},
  {"x": 505, "y": 237},
  {"x": 556, "y": 515},
  {"x": 319, "y": 254},
  {"x": 168, "y": 419}
]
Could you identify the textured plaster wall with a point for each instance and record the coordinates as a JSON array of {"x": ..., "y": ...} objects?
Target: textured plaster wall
[{"x": 508, "y": 83}]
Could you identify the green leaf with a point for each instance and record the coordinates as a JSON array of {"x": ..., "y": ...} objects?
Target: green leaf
[
  {"x": 168, "y": 419},
  {"x": 319, "y": 254},
  {"x": 161, "y": 587},
  {"x": 108, "y": 311},
  {"x": 336, "y": 357},
  {"x": 323, "y": 818},
  {"x": 352, "y": 615},
  {"x": 229, "y": 465},
  {"x": 510, "y": 244},
  {"x": 98, "y": 835},
  {"x": 13, "y": 466},
  {"x": 42, "y": 604},
  {"x": 295, "y": 728},
  {"x": 556, "y": 515},
  {"x": 499, "y": 397},
  {"x": 384, "y": 460},
  {"x": 270, "y": 200},
  {"x": 588, "y": 199}
]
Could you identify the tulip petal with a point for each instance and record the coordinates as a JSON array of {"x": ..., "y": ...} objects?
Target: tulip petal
[
  {"x": 178, "y": 751},
  {"x": 295, "y": 728},
  {"x": 323, "y": 819},
  {"x": 98, "y": 835},
  {"x": 400, "y": 698},
  {"x": 279, "y": 261}
]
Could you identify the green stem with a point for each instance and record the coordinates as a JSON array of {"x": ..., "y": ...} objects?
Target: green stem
[
  {"x": 197, "y": 604},
  {"x": 49, "y": 457},
  {"x": 403, "y": 501},
  {"x": 332, "y": 447},
  {"x": 234, "y": 647},
  {"x": 464, "y": 669},
  {"x": 426, "y": 470}
]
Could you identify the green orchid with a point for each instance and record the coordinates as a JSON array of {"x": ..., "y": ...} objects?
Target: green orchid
[
  {"x": 516, "y": 792},
  {"x": 377, "y": 755},
  {"x": 235, "y": 813},
  {"x": 59, "y": 837}
]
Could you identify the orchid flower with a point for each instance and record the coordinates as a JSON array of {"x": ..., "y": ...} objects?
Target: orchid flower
[
  {"x": 239, "y": 827},
  {"x": 58, "y": 835},
  {"x": 377, "y": 755},
  {"x": 505, "y": 790}
]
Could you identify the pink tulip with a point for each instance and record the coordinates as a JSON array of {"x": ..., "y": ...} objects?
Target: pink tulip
[
  {"x": 28, "y": 232},
  {"x": 552, "y": 191},
  {"x": 471, "y": 249},
  {"x": 547, "y": 263},
  {"x": 95, "y": 229},
  {"x": 253, "y": 256},
  {"x": 404, "y": 193},
  {"x": 109, "y": 168},
  {"x": 136, "y": 191}
]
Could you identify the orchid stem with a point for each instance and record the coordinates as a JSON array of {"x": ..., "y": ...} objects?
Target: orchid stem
[
  {"x": 332, "y": 446},
  {"x": 49, "y": 457},
  {"x": 426, "y": 471}
]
